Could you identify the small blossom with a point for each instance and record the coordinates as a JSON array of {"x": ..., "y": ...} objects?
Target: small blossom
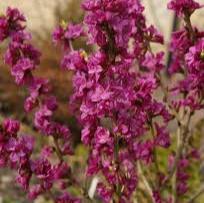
[
  {"x": 154, "y": 63},
  {"x": 43, "y": 170},
  {"x": 21, "y": 71},
  {"x": 195, "y": 58},
  {"x": 65, "y": 34},
  {"x": 104, "y": 193},
  {"x": 11, "y": 127},
  {"x": 73, "y": 61},
  {"x": 35, "y": 191},
  {"x": 74, "y": 31},
  {"x": 183, "y": 6},
  {"x": 11, "y": 23},
  {"x": 162, "y": 138},
  {"x": 67, "y": 198}
]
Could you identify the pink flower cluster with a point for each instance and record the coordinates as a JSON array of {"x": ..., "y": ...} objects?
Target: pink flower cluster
[
  {"x": 187, "y": 48},
  {"x": 16, "y": 150},
  {"x": 112, "y": 99}
]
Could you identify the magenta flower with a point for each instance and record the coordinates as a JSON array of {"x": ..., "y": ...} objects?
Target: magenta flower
[
  {"x": 43, "y": 170},
  {"x": 154, "y": 63},
  {"x": 91, "y": 5},
  {"x": 67, "y": 198},
  {"x": 73, "y": 61},
  {"x": 74, "y": 31},
  {"x": 183, "y": 6},
  {"x": 21, "y": 71},
  {"x": 11, "y": 127},
  {"x": 195, "y": 58},
  {"x": 35, "y": 191},
  {"x": 37, "y": 88},
  {"x": 104, "y": 193},
  {"x": 11, "y": 23},
  {"x": 162, "y": 139},
  {"x": 64, "y": 34}
]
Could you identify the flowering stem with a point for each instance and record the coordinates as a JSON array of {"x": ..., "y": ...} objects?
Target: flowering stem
[
  {"x": 180, "y": 138},
  {"x": 166, "y": 96},
  {"x": 181, "y": 135},
  {"x": 60, "y": 156}
]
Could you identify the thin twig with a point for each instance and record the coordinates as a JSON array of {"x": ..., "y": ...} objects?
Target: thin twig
[
  {"x": 71, "y": 45},
  {"x": 189, "y": 26},
  {"x": 173, "y": 172},
  {"x": 145, "y": 181},
  {"x": 58, "y": 150},
  {"x": 173, "y": 29},
  {"x": 154, "y": 150},
  {"x": 181, "y": 135}
]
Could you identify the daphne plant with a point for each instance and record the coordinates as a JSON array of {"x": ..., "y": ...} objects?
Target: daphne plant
[{"x": 125, "y": 127}]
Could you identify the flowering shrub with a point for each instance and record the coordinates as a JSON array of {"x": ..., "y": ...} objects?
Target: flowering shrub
[{"x": 124, "y": 124}]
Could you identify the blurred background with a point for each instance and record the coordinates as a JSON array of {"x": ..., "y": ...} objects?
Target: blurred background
[{"x": 42, "y": 16}]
